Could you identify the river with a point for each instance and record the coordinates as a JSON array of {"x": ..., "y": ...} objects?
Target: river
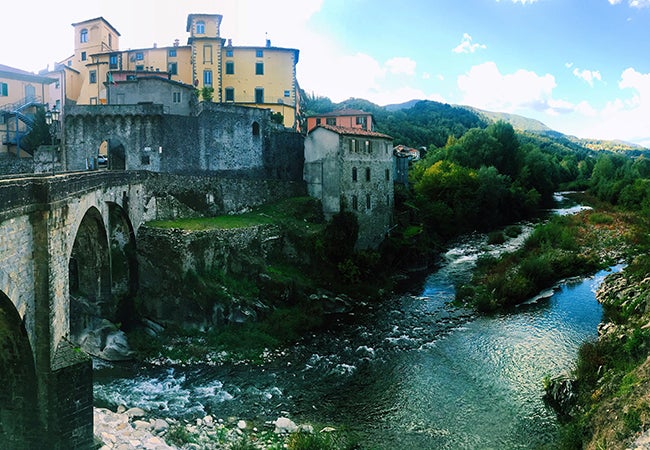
[{"x": 411, "y": 372}]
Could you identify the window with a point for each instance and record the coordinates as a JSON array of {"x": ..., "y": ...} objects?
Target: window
[
  {"x": 387, "y": 174},
  {"x": 172, "y": 68},
  {"x": 368, "y": 146},
  {"x": 354, "y": 174},
  {"x": 171, "y": 53},
  {"x": 362, "y": 121},
  {"x": 318, "y": 121},
  {"x": 93, "y": 76},
  {"x": 230, "y": 67},
  {"x": 368, "y": 201},
  {"x": 259, "y": 68},
  {"x": 112, "y": 61},
  {"x": 259, "y": 95},
  {"x": 139, "y": 67},
  {"x": 355, "y": 203},
  {"x": 83, "y": 36},
  {"x": 69, "y": 63},
  {"x": 367, "y": 173},
  {"x": 256, "y": 129},
  {"x": 139, "y": 56},
  {"x": 229, "y": 53},
  {"x": 57, "y": 84},
  {"x": 200, "y": 27},
  {"x": 230, "y": 94},
  {"x": 287, "y": 93},
  {"x": 259, "y": 53},
  {"x": 4, "y": 90},
  {"x": 83, "y": 56},
  {"x": 330, "y": 121},
  {"x": 93, "y": 100},
  {"x": 176, "y": 97},
  {"x": 207, "y": 78},
  {"x": 207, "y": 54}
]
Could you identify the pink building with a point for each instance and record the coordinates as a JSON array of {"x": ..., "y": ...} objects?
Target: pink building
[{"x": 348, "y": 118}]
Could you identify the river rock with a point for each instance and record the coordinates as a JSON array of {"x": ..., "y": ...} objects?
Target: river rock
[
  {"x": 135, "y": 412},
  {"x": 160, "y": 425},
  {"x": 285, "y": 425}
]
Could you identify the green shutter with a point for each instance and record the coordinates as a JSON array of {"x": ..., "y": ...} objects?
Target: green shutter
[{"x": 5, "y": 93}]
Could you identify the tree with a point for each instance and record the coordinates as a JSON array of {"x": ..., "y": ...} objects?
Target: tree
[
  {"x": 40, "y": 133},
  {"x": 207, "y": 93}
]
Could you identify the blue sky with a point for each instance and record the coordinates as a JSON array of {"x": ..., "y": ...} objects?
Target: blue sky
[{"x": 580, "y": 66}]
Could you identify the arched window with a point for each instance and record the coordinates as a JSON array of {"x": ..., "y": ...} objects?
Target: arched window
[
  {"x": 200, "y": 27},
  {"x": 368, "y": 204},
  {"x": 355, "y": 203},
  {"x": 256, "y": 129},
  {"x": 367, "y": 173},
  {"x": 354, "y": 174},
  {"x": 83, "y": 36}
]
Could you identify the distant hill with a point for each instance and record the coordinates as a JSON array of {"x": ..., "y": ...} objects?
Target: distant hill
[{"x": 421, "y": 123}]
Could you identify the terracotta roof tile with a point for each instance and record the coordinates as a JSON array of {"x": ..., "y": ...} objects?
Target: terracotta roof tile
[{"x": 354, "y": 131}]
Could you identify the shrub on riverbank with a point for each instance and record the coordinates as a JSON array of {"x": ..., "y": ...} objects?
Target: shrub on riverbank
[{"x": 552, "y": 252}]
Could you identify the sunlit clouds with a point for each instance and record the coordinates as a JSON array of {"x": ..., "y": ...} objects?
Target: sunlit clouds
[{"x": 467, "y": 46}]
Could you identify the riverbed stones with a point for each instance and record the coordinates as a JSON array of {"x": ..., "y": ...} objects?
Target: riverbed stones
[{"x": 285, "y": 425}]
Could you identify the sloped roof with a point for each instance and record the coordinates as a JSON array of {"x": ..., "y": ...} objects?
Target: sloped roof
[
  {"x": 354, "y": 131},
  {"x": 17, "y": 74}
]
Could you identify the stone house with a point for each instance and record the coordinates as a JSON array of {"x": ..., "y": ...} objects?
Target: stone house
[{"x": 352, "y": 169}]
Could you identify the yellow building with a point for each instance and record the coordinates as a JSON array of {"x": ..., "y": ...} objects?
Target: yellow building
[
  {"x": 20, "y": 93},
  {"x": 261, "y": 77}
]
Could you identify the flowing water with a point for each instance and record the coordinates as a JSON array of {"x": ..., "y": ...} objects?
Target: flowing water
[{"x": 412, "y": 372}]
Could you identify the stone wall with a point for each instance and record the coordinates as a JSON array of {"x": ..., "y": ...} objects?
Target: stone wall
[
  {"x": 174, "y": 264},
  {"x": 12, "y": 164},
  {"x": 221, "y": 138},
  {"x": 201, "y": 195}
]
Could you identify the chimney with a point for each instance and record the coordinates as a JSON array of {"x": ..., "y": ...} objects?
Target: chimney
[
  {"x": 176, "y": 42},
  {"x": 155, "y": 45},
  {"x": 268, "y": 43}
]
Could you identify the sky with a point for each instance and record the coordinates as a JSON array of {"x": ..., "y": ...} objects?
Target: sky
[{"x": 582, "y": 67}]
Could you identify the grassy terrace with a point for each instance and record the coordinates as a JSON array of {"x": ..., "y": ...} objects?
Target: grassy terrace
[{"x": 293, "y": 210}]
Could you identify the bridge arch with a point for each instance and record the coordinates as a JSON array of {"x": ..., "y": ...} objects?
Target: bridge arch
[
  {"x": 19, "y": 427},
  {"x": 89, "y": 274}
]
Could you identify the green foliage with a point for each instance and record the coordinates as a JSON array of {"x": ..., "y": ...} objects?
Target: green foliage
[
  {"x": 40, "y": 134},
  {"x": 179, "y": 435},
  {"x": 340, "y": 236},
  {"x": 277, "y": 117},
  {"x": 320, "y": 441},
  {"x": 207, "y": 93}
]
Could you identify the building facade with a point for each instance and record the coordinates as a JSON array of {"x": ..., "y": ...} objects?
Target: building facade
[
  {"x": 262, "y": 77},
  {"x": 21, "y": 93},
  {"x": 351, "y": 169},
  {"x": 348, "y": 118}
]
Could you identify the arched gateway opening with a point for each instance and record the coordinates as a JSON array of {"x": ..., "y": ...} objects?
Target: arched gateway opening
[{"x": 19, "y": 425}]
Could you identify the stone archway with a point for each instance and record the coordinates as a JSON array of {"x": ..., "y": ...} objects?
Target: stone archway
[
  {"x": 124, "y": 270},
  {"x": 116, "y": 155},
  {"x": 89, "y": 277},
  {"x": 19, "y": 426}
]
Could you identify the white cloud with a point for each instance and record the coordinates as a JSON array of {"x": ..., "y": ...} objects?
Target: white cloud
[
  {"x": 466, "y": 45},
  {"x": 624, "y": 117},
  {"x": 401, "y": 65},
  {"x": 484, "y": 86},
  {"x": 632, "y": 3},
  {"x": 588, "y": 75},
  {"x": 524, "y": 2}
]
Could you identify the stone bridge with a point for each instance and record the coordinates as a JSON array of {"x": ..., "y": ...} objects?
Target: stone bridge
[
  {"x": 60, "y": 237},
  {"x": 68, "y": 258}
]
